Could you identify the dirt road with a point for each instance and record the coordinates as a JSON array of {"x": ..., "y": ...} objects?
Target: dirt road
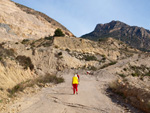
[
  {"x": 60, "y": 99},
  {"x": 93, "y": 97}
]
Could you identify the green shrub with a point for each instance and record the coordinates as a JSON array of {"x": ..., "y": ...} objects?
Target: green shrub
[
  {"x": 1, "y": 58},
  {"x": 106, "y": 65},
  {"x": 49, "y": 38},
  {"x": 58, "y": 32},
  {"x": 25, "y": 61},
  {"x": 1, "y": 101},
  {"x": 67, "y": 50},
  {"x": 46, "y": 44},
  {"x": 122, "y": 75},
  {"x": 125, "y": 69},
  {"x": 89, "y": 58},
  {"x": 24, "y": 41},
  {"x": 135, "y": 74},
  {"x": 1, "y": 89},
  {"x": 139, "y": 70},
  {"x": 147, "y": 74},
  {"x": 15, "y": 89},
  {"x": 133, "y": 67},
  {"x": 104, "y": 58},
  {"x": 60, "y": 53},
  {"x": 10, "y": 52},
  {"x": 56, "y": 46},
  {"x": 6, "y": 53},
  {"x": 112, "y": 63}
]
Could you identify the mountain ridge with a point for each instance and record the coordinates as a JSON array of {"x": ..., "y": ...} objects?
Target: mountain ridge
[{"x": 137, "y": 37}]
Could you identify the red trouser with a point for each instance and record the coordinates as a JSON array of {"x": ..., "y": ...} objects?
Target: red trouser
[{"x": 75, "y": 88}]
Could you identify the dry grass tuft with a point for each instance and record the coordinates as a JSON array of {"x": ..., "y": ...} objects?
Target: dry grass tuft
[
  {"x": 12, "y": 75},
  {"x": 40, "y": 81}
]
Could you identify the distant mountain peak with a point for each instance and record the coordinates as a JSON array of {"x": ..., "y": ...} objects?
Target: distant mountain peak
[
  {"x": 137, "y": 37},
  {"x": 113, "y": 24}
]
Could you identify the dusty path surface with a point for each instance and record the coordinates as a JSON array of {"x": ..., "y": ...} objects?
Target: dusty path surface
[{"x": 60, "y": 99}]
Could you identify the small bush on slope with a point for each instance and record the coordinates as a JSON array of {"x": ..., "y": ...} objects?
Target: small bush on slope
[
  {"x": 58, "y": 32},
  {"x": 25, "y": 61},
  {"x": 109, "y": 64}
]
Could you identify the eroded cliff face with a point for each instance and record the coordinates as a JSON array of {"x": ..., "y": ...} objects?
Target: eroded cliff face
[{"x": 16, "y": 23}]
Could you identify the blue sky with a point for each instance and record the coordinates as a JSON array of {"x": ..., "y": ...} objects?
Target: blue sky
[{"x": 81, "y": 16}]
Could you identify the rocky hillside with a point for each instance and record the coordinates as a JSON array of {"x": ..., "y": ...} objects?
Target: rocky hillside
[
  {"x": 19, "y": 22},
  {"x": 52, "y": 54},
  {"x": 134, "y": 36}
]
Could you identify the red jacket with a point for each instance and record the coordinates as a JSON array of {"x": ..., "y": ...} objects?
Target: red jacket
[{"x": 78, "y": 76}]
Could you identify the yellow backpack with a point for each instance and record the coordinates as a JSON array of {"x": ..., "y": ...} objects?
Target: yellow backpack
[{"x": 75, "y": 80}]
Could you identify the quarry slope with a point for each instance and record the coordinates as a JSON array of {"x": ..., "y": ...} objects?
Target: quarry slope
[{"x": 16, "y": 23}]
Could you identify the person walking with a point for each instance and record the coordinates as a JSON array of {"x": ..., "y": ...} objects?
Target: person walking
[{"x": 75, "y": 82}]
